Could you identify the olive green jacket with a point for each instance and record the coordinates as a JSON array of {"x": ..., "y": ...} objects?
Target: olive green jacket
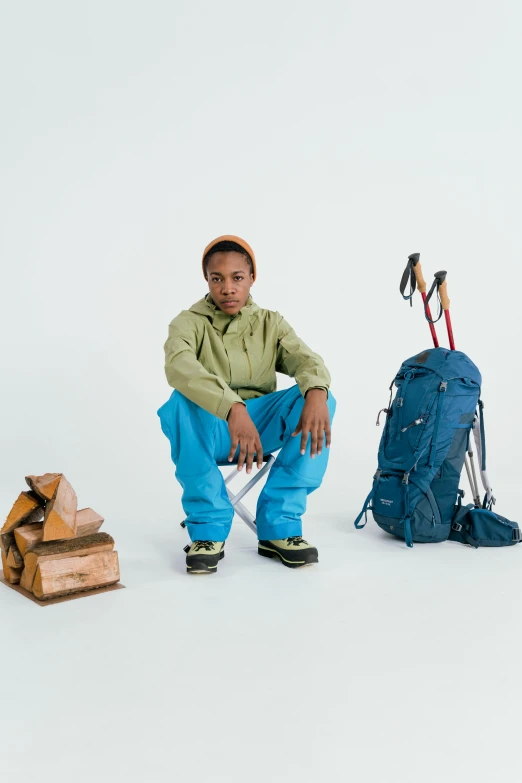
[{"x": 216, "y": 360}]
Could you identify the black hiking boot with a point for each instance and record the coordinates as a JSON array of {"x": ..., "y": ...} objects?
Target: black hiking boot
[{"x": 293, "y": 552}]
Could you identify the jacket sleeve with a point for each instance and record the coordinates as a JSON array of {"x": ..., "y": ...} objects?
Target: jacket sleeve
[
  {"x": 296, "y": 359},
  {"x": 186, "y": 373}
]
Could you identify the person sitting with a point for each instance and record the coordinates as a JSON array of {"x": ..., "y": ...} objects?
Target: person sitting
[{"x": 221, "y": 357}]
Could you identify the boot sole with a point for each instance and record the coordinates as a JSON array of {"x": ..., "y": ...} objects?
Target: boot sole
[
  {"x": 288, "y": 563},
  {"x": 200, "y": 567}
]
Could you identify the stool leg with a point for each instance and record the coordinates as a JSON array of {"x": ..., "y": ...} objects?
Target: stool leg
[
  {"x": 239, "y": 508},
  {"x": 243, "y": 512}
]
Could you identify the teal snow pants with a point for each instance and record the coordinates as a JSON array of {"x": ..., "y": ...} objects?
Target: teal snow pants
[{"x": 200, "y": 442}]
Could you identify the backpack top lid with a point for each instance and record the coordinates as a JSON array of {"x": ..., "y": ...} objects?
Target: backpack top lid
[{"x": 447, "y": 364}]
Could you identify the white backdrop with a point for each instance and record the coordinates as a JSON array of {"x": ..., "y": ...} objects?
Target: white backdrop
[{"x": 337, "y": 138}]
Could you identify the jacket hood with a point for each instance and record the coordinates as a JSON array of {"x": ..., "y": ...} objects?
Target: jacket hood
[{"x": 248, "y": 315}]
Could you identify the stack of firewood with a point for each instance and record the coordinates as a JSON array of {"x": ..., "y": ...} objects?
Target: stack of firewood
[{"x": 50, "y": 548}]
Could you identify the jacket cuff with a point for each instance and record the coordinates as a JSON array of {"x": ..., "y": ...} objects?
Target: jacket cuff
[
  {"x": 323, "y": 388},
  {"x": 226, "y": 403},
  {"x": 317, "y": 382}
]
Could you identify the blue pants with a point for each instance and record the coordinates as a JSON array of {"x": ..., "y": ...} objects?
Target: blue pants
[{"x": 200, "y": 442}]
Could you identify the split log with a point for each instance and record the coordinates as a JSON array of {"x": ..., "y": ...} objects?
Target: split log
[
  {"x": 45, "y": 486},
  {"x": 28, "y": 535},
  {"x": 12, "y": 575},
  {"x": 87, "y": 522},
  {"x": 14, "y": 558},
  {"x": 61, "y": 550},
  {"x": 75, "y": 574},
  {"x": 60, "y": 513},
  {"x": 6, "y": 542},
  {"x": 27, "y": 509}
]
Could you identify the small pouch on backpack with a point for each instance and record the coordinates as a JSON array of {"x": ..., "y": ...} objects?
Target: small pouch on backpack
[{"x": 482, "y": 527}]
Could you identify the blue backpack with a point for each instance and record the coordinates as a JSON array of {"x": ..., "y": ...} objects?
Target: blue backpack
[{"x": 415, "y": 493}]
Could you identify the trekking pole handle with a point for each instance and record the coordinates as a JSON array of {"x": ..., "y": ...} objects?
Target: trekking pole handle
[
  {"x": 443, "y": 289},
  {"x": 417, "y": 269}
]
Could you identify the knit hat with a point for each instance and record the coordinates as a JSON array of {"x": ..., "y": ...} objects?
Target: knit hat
[{"x": 230, "y": 238}]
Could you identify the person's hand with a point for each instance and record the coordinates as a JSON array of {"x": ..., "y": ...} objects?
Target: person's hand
[
  {"x": 243, "y": 433},
  {"x": 314, "y": 421}
]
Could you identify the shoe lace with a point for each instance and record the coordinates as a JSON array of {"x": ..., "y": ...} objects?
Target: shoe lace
[
  {"x": 208, "y": 545},
  {"x": 296, "y": 540}
]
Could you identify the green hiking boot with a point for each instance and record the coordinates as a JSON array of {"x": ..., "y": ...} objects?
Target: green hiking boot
[
  {"x": 293, "y": 552},
  {"x": 203, "y": 556}
]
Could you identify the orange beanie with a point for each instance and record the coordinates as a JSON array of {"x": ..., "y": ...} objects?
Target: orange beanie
[{"x": 230, "y": 238}]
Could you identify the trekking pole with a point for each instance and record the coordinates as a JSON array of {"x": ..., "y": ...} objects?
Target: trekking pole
[
  {"x": 413, "y": 274},
  {"x": 445, "y": 304},
  {"x": 489, "y": 500},
  {"x": 472, "y": 477},
  {"x": 441, "y": 286}
]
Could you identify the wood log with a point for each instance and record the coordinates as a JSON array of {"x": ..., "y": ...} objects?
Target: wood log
[
  {"x": 45, "y": 486},
  {"x": 6, "y": 542},
  {"x": 13, "y": 575},
  {"x": 60, "y": 550},
  {"x": 87, "y": 522},
  {"x": 74, "y": 574},
  {"x": 27, "y": 508},
  {"x": 14, "y": 558},
  {"x": 28, "y": 535},
  {"x": 60, "y": 513}
]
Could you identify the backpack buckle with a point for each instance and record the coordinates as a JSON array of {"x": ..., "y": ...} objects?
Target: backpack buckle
[
  {"x": 456, "y": 526},
  {"x": 516, "y": 534}
]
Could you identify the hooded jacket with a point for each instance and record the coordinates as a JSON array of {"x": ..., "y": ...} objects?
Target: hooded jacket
[{"x": 217, "y": 360}]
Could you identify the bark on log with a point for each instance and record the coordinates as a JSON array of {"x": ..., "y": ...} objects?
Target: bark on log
[
  {"x": 6, "y": 542},
  {"x": 60, "y": 513},
  {"x": 14, "y": 558},
  {"x": 26, "y": 509},
  {"x": 45, "y": 486},
  {"x": 60, "y": 550},
  {"x": 74, "y": 574}
]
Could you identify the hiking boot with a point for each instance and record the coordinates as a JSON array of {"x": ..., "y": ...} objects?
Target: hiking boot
[
  {"x": 293, "y": 552},
  {"x": 203, "y": 556}
]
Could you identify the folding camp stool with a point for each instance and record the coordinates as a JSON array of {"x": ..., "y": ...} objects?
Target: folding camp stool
[{"x": 239, "y": 508}]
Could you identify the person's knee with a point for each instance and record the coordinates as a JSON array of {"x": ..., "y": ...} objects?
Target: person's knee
[{"x": 179, "y": 409}]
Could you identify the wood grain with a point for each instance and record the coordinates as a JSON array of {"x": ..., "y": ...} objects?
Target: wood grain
[
  {"x": 14, "y": 558},
  {"x": 61, "y": 550},
  {"x": 60, "y": 513},
  {"x": 28, "y": 535},
  {"x": 74, "y": 574},
  {"x": 6, "y": 542},
  {"x": 26, "y": 509},
  {"x": 87, "y": 522},
  {"x": 45, "y": 486},
  {"x": 12, "y": 575}
]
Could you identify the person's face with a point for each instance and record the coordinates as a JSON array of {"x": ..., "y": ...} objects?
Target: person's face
[{"x": 229, "y": 281}]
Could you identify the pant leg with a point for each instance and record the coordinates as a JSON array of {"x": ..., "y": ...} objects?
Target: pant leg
[
  {"x": 294, "y": 475},
  {"x": 195, "y": 436}
]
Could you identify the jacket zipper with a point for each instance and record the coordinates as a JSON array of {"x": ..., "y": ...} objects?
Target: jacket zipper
[{"x": 248, "y": 359}]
